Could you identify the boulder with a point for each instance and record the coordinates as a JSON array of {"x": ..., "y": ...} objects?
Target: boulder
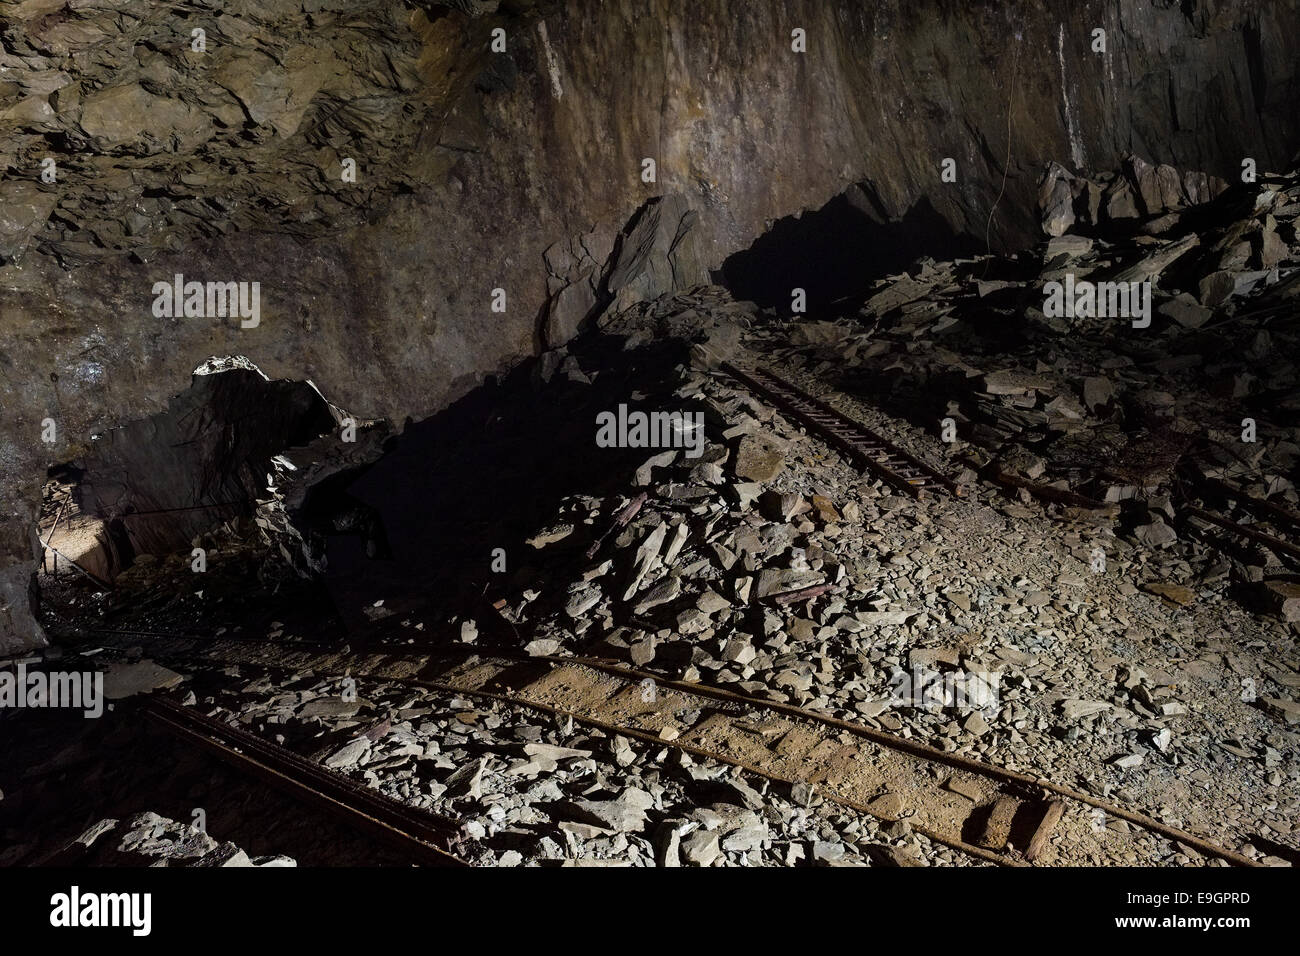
[
  {"x": 1056, "y": 200},
  {"x": 568, "y": 310},
  {"x": 658, "y": 253}
]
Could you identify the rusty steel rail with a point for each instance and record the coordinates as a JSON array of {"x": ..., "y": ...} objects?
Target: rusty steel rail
[
  {"x": 1248, "y": 501},
  {"x": 1011, "y": 483},
  {"x": 1014, "y": 781},
  {"x": 1274, "y": 544},
  {"x": 897, "y": 743},
  {"x": 898, "y": 468},
  {"x": 423, "y": 835}
]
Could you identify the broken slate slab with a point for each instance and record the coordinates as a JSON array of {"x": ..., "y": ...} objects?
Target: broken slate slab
[
  {"x": 778, "y": 581},
  {"x": 1075, "y": 708},
  {"x": 627, "y": 814},
  {"x": 1186, "y": 311},
  {"x": 1282, "y": 598},
  {"x": 759, "y": 458},
  {"x": 141, "y": 677},
  {"x": 349, "y": 755},
  {"x": 1282, "y": 709},
  {"x": 1175, "y": 594}
]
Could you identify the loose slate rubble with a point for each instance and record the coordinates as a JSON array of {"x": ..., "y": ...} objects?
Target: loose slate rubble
[
  {"x": 140, "y": 677},
  {"x": 1141, "y": 677},
  {"x": 1077, "y": 408},
  {"x": 148, "y": 839},
  {"x": 1092, "y": 405},
  {"x": 1138, "y": 189},
  {"x": 531, "y": 791}
]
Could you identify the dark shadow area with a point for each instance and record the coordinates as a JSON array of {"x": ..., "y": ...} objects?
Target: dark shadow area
[
  {"x": 835, "y": 253},
  {"x": 70, "y": 773},
  {"x": 486, "y": 474},
  {"x": 173, "y": 475},
  {"x": 119, "y": 524},
  {"x": 420, "y": 534}
]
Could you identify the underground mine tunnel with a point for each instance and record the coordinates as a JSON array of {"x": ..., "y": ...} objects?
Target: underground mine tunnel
[{"x": 652, "y": 434}]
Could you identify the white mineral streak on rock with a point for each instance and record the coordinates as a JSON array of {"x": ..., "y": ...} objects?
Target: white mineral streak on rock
[
  {"x": 552, "y": 62},
  {"x": 1071, "y": 122}
]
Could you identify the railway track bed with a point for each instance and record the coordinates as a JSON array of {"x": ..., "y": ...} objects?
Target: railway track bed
[
  {"x": 977, "y": 808},
  {"x": 900, "y": 469},
  {"x": 990, "y": 814},
  {"x": 426, "y": 839}
]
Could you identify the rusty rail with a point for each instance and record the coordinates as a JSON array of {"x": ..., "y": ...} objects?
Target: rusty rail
[
  {"x": 424, "y": 836},
  {"x": 1246, "y": 500},
  {"x": 1008, "y": 482},
  {"x": 898, "y": 468},
  {"x": 1274, "y": 544},
  {"x": 914, "y": 748}
]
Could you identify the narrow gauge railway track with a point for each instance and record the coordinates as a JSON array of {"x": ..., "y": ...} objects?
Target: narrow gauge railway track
[
  {"x": 915, "y": 477},
  {"x": 424, "y": 837},
  {"x": 997, "y": 815},
  {"x": 900, "y": 469},
  {"x": 1257, "y": 511}
]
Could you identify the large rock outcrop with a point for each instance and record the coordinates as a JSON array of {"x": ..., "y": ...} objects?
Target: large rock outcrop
[{"x": 227, "y": 164}]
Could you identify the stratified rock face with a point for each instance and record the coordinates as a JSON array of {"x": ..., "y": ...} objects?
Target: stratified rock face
[
  {"x": 228, "y": 164},
  {"x": 174, "y": 125}
]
